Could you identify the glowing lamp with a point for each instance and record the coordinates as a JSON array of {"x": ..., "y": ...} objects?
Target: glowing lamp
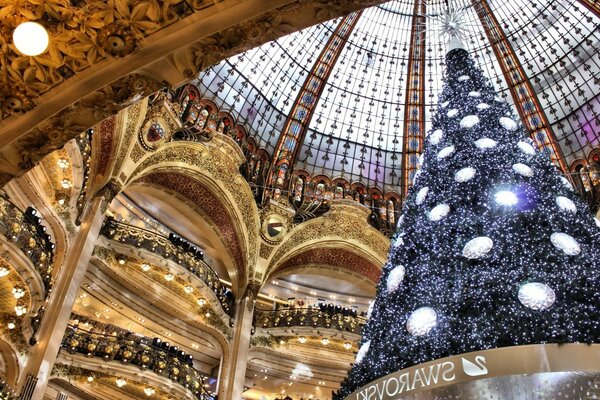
[
  {"x": 30, "y": 38},
  {"x": 506, "y": 198}
]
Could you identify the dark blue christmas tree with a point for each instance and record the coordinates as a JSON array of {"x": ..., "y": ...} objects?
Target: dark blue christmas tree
[{"x": 494, "y": 248}]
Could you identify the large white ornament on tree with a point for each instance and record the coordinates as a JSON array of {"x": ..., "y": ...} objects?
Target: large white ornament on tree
[
  {"x": 463, "y": 78},
  {"x": 508, "y": 123},
  {"x": 438, "y": 212},
  {"x": 421, "y": 195},
  {"x": 483, "y": 106},
  {"x": 445, "y": 152},
  {"x": 417, "y": 175},
  {"x": 474, "y": 93},
  {"x": 445, "y": 104},
  {"x": 478, "y": 247},
  {"x": 362, "y": 352},
  {"x": 452, "y": 113},
  {"x": 421, "y": 321},
  {"x": 464, "y": 174},
  {"x": 526, "y": 148},
  {"x": 485, "y": 143},
  {"x": 395, "y": 278},
  {"x": 436, "y": 136},
  {"x": 566, "y": 204},
  {"x": 522, "y": 169},
  {"x": 566, "y": 183},
  {"x": 536, "y": 295},
  {"x": 469, "y": 121},
  {"x": 566, "y": 243}
]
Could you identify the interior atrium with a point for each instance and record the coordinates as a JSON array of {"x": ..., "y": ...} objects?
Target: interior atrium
[{"x": 198, "y": 196}]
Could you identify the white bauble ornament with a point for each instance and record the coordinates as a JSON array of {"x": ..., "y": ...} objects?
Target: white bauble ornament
[
  {"x": 597, "y": 221},
  {"x": 452, "y": 113},
  {"x": 522, "y": 169},
  {"x": 370, "y": 309},
  {"x": 421, "y": 321},
  {"x": 485, "y": 143},
  {"x": 445, "y": 152},
  {"x": 478, "y": 247},
  {"x": 436, "y": 136},
  {"x": 445, "y": 104},
  {"x": 536, "y": 295},
  {"x": 464, "y": 174},
  {"x": 565, "y": 204},
  {"x": 421, "y": 195},
  {"x": 566, "y": 243},
  {"x": 566, "y": 183},
  {"x": 417, "y": 175},
  {"x": 469, "y": 121},
  {"x": 526, "y": 148},
  {"x": 508, "y": 123},
  {"x": 474, "y": 93},
  {"x": 438, "y": 212},
  {"x": 463, "y": 78},
  {"x": 398, "y": 241},
  {"x": 395, "y": 278},
  {"x": 362, "y": 352},
  {"x": 483, "y": 106}
]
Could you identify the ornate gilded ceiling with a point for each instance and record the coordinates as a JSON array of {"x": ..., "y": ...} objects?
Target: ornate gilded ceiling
[{"x": 103, "y": 56}]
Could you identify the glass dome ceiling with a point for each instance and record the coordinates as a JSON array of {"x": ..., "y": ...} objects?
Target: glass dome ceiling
[{"x": 362, "y": 121}]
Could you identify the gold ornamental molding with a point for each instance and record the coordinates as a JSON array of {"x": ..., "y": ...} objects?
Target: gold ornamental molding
[
  {"x": 478, "y": 365},
  {"x": 104, "y": 55},
  {"x": 344, "y": 222},
  {"x": 214, "y": 164}
]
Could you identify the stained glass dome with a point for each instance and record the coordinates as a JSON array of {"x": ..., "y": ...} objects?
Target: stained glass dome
[{"x": 355, "y": 95}]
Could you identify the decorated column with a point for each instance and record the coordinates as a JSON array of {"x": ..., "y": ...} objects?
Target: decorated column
[{"x": 36, "y": 374}]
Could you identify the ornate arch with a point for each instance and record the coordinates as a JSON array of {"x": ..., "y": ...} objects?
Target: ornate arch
[
  {"x": 336, "y": 254},
  {"x": 10, "y": 362},
  {"x": 345, "y": 229},
  {"x": 194, "y": 169}
]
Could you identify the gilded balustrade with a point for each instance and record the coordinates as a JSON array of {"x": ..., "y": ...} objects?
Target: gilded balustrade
[
  {"x": 160, "y": 245},
  {"x": 115, "y": 344},
  {"x": 308, "y": 317},
  {"x": 20, "y": 231}
]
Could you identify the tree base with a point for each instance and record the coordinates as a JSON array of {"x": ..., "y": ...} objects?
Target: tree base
[{"x": 529, "y": 372}]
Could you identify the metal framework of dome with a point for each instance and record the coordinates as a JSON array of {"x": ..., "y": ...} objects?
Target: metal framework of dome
[{"x": 353, "y": 97}]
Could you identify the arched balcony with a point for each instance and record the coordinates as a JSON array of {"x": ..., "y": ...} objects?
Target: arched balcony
[{"x": 189, "y": 258}]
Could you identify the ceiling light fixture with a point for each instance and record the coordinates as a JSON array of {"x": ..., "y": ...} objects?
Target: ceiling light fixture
[{"x": 31, "y": 38}]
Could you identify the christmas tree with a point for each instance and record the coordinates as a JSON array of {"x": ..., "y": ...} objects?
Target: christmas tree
[{"x": 494, "y": 248}]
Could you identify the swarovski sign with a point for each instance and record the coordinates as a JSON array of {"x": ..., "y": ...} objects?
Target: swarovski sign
[
  {"x": 480, "y": 365},
  {"x": 420, "y": 378}
]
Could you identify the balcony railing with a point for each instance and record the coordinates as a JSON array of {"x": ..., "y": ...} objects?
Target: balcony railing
[
  {"x": 129, "y": 348},
  {"x": 162, "y": 246},
  {"x": 28, "y": 236},
  {"x": 309, "y": 317}
]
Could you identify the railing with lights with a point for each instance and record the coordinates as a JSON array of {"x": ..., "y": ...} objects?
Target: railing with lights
[
  {"x": 191, "y": 259},
  {"x": 115, "y": 344},
  {"x": 84, "y": 141},
  {"x": 26, "y": 231},
  {"x": 345, "y": 321},
  {"x": 6, "y": 392}
]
